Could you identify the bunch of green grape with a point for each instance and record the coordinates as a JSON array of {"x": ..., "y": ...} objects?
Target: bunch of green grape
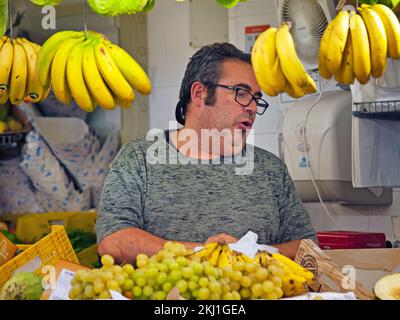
[
  {"x": 154, "y": 278},
  {"x": 253, "y": 281},
  {"x": 97, "y": 283}
]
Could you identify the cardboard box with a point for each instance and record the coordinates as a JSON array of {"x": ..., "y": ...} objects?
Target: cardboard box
[
  {"x": 348, "y": 270},
  {"x": 52, "y": 275},
  {"x": 7, "y": 249}
]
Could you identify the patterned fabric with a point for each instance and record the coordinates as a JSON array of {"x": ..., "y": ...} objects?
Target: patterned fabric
[{"x": 195, "y": 201}]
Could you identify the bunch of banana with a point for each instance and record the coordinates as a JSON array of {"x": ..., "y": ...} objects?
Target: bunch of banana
[
  {"x": 91, "y": 70},
  {"x": 277, "y": 66},
  {"x": 18, "y": 77},
  {"x": 118, "y": 7},
  {"x": 355, "y": 45}
]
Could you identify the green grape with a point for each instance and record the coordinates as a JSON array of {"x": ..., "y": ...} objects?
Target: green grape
[
  {"x": 141, "y": 263},
  {"x": 85, "y": 276},
  {"x": 107, "y": 260},
  {"x": 215, "y": 287},
  {"x": 128, "y": 284},
  {"x": 120, "y": 279},
  {"x": 169, "y": 245},
  {"x": 98, "y": 286},
  {"x": 167, "y": 286},
  {"x": 89, "y": 292},
  {"x": 235, "y": 295},
  {"x": 129, "y": 269},
  {"x": 151, "y": 272},
  {"x": 197, "y": 267},
  {"x": 182, "y": 286},
  {"x": 225, "y": 288},
  {"x": 257, "y": 289},
  {"x": 163, "y": 267},
  {"x": 159, "y": 295},
  {"x": 215, "y": 296},
  {"x": 245, "y": 281},
  {"x": 105, "y": 294},
  {"x": 261, "y": 274},
  {"x": 238, "y": 266},
  {"x": 227, "y": 296},
  {"x": 195, "y": 293},
  {"x": 278, "y": 292},
  {"x": 113, "y": 285},
  {"x": 161, "y": 278},
  {"x": 72, "y": 295},
  {"x": 195, "y": 278},
  {"x": 235, "y": 286},
  {"x": 76, "y": 289},
  {"x": 141, "y": 281},
  {"x": 117, "y": 270},
  {"x": 187, "y": 272},
  {"x": 245, "y": 293},
  {"x": 107, "y": 275},
  {"x": 182, "y": 261},
  {"x": 277, "y": 281},
  {"x": 175, "y": 276},
  {"x": 267, "y": 286},
  {"x": 204, "y": 294},
  {"x": 209, "y": 270},
  {"x": 187, "y": 295},
  {"x": 270, "y": 296},
  {"x": 173, "y": 266},
  {"x": 142, "y": 256},
  {"x": 137, "y": 291},
  {"x": 236, "y": 275},
  {"x": 227, "y": 272},
  {"x": 276, "y": 271},
  {"x": 151, "y": 282},
  {"x": 203, "y": 282},
  {"x": 148, "y": 291},
  {"x": 250, "y": 267},
  {"x": 192, "y": 285}
]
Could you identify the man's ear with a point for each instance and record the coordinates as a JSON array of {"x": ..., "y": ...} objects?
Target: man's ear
[{"x": 198, "y": 93}]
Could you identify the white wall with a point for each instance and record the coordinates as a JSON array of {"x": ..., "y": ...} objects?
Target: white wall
[{"x": 168, "y": 28}]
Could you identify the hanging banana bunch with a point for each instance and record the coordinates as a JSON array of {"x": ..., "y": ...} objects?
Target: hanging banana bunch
[
  {"x": 277, "y": 67},
  {"x": 356, "y": 44},
  {"x": 18, "y": 77},
  {"x": 91, "y": 70}
]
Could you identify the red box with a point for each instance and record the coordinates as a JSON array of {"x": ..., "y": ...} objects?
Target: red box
[{"x": 350, "y": 240}]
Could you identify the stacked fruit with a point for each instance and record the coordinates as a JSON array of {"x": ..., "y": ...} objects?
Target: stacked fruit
[
  {"x": 8, "y": 123},
  {"x": 18, "y": 77},
  {"x": 356, "y": 45},
  {"x": 277, "y": 66},
  {"x": 154, "y": 278},
  {"x": 91, "y": 70},
  {"x": 287, "y": 277}
]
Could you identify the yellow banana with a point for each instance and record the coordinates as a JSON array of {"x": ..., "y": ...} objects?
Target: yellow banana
[
  {"x": 59, "y": 81},
  {"x": 19, "y": 75},
  {"x": 42, "y": 93},
  {"x": 274, "y": 75},
  {"x": 3, "y": 96},
  {"x": 337, "y": 41},
  {"x": 76, "y": 81},
  {"x": 377, "y": 40},
  {"x": 223, "y": 260},
  {"x": 34, "y": 88},
  {"x": 3, "y": 39},
  {"x": 295, "y": 267},
  {"x": 111, "y": 74},
  {"x": 259, "y": 68},
  {"x": 291, "y": 65},
  {"x": 97, "y": 87},
  {"x": 293, "y": 91},
  {"x": 345, "y": 74},
  {"x": 48, "y": 51},
  {"x": 130, "y": 69},
  {"x": 392, "y": 28},
  {"x": 246, "y": 258},
  {"x": 361, "y": 49},
  {"x": 215, "y": 255},
  {"x": 6, "y": 61},
  {"x": 124, "y": 104},
  {"x": 323, "y": 51},
  {"x": 293, "y": 285}
]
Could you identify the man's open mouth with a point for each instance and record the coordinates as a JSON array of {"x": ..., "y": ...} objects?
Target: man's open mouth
[{"x": 245, "y": 125}]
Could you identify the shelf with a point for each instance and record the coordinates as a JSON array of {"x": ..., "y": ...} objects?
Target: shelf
[{"x": 382, "y": 110}]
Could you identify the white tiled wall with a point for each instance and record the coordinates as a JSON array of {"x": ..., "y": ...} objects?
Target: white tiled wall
[{"x": 169, "y": 53}]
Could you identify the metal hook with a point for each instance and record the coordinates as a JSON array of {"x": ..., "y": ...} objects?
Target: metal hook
[
  {"x": 10, "y": 18},
  {"x": 85, "y": 17}
]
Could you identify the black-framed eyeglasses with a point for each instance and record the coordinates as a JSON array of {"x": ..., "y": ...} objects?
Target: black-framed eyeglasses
[{"x": 245, "y": 97}]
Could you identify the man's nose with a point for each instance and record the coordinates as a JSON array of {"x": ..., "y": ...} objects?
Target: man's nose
[{"x": 252, "y": 107}]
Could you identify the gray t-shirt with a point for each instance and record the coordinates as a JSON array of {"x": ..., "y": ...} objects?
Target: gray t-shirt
[{"x": 191, "y": 202}]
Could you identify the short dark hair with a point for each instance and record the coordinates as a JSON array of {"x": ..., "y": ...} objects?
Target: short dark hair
[{"x": 205, "y": 66}]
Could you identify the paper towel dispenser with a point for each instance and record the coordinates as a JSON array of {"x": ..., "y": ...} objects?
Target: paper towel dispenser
[{"x": 329, "y": 146}]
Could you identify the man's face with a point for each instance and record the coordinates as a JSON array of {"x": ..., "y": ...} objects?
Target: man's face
[{"x": 226, "y": 113}]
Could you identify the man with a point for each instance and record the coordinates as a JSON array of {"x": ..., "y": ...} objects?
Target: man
[{"x": 144, "y": 204}]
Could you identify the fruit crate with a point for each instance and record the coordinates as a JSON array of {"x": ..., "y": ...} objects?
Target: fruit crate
[
  {"x": 47, "y": 251},
  {"x": 383, "y": 110},
  {"x": 31, "y": 227}
]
